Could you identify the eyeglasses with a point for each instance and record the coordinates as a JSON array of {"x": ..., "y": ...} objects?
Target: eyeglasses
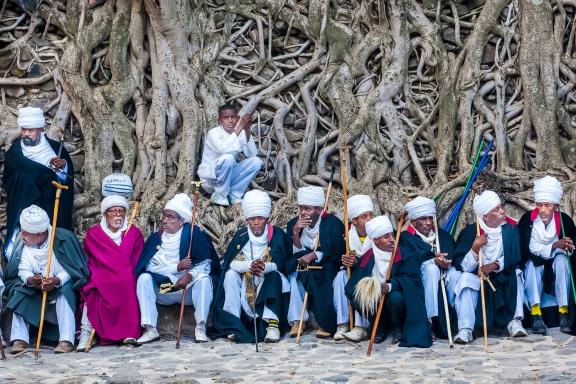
[{"x": 116, "y": 212}]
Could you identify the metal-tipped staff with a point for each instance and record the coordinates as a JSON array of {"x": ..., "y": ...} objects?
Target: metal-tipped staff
[
  {"x": 480, "y": 275},
  {"x": 443, "y": 287}
]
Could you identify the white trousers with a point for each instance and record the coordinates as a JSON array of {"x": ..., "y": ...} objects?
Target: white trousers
[
  {"x": 233, "y": 178},
  {"x": 533, "y": 276},
  {"x": 430, "y": 279},
  {"x": 341, "y": 302},
  {"x": 235, "y": 301},
  {"x": 296, "y": 300},
  {"x": 467, "y": 291},
  {"x": 198, "y": 294},
  {"x": 63, "y": 315}
]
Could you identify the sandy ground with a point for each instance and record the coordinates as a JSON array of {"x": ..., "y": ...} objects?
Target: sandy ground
[{"x": 534, "y": 359}]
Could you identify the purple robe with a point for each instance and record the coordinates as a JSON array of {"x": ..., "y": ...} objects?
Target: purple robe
[{"x": 110, "y": 293}]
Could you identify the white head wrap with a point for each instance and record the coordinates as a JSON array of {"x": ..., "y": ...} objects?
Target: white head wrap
[
  {"x": 378, "y": 226},
  {"x": 182, "y": 205},
  {"x": 256, "y": 203},
  {"x": 117, "y": 184},
  {"x": 359, "y": 204},
  {"x": 30, "y": 118},
  {"x": 548, "y": 190},
  {"x": 312, "y": 196},
  {"x": 34, "y": 220},
  {"x": 113, "y": 201},
  {"x": 485, "y": 202},
  {"x": 420, "y": 207}
]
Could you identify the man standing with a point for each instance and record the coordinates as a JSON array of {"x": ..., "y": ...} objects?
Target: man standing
[
  {"x": 32, "y": 163},
  {"x": 317, "y": 240},
  {"x": 404, "y": 312},
  {"x": 110, "y": 302},
  {"x": 25, "y": 281},
  {"x": 360, "y": 211},
  {"x": 252, "y": 278},
  {"x": 544, "y": 250},
  {"x": 499, "y": 246},
  {"x": 220, "y": 169},
  {"x": 165, "y": 260}
]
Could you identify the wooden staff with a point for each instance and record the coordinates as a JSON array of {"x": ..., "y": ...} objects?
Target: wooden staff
[
  {"x": 567, "y": 255},
  {"x": 2, "y": 354},
  {"x": 388, "y": 272},
  {"x": 133, "y": 215},
  {"x": 195, "y": 187},
  {"x": 316, "y": 244},
  {"x": 443, "y": 287},
  {"x": 59, "y": 188},
  {"x": 343, "y": 167},
  {"x": 480, "y": 274}
]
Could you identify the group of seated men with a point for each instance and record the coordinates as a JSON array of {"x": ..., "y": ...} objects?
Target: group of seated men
[{"x": 271, "y": 278}]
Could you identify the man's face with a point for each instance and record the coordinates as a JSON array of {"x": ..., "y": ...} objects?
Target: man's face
[
  {"x": 546, "y": 211},
  {"x": 30, "y": 137},
  {"x": 385, "y": 242},
  {"x": 115, "y": 217},
  {"x": 424, "y": 224},
  {"x": 33, "y": 240},
  {"x": 310, "y": 212},
  {"x": 257, "y": 224},
  {"x": 360, "y": 222},
  {"x": 228, "y": 119},
  {"x": 495, "y": 217},
  {"x": 171, "y": 221}
]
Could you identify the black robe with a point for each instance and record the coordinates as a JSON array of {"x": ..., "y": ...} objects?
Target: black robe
[
  {"x": 549, "y": 314},
  {"x": 269, "y": 295},
  {"x": 500, "y": 305},
  {"x": 202, "y": 249},
  {"x": 405, "y": 276},
  {"x": 26, "y": 301},
  {"x": 414, "y": 246},
  {"x": 318, "y": 283},
  {"x": 27, "y": 182}
]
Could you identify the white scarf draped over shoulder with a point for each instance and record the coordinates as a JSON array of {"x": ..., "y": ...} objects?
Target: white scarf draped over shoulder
[
  {"x": 494, "y": 247},
  {"x": 115, "y": 236},
  {"x": 356, "y": 244},
  {"x": 542, "y": 238},
  {"x": 166, "y": 260},
  {"x": 382, "y": 261}
]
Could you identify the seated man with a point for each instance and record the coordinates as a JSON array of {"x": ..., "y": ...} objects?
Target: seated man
[
  {"x": 404, "y": 313},
  {"x": 166, "y": 260},
  {"x": 25, "y": 281},
  {"x": 317, "y": 240},
  {"x": 252, "y": 277},
  {"x": 360, "y": 211},
  {"x": 112, "y": 251},
  {"x": 499, "y": 246},
  {"x": 419, "y": 241},
  {"x": 32, "y": 163},
  {"x": 544, "y": 250},
  {"x": 220, "y": 168}
]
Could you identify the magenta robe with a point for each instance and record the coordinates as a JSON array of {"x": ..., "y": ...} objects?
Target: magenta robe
[{"x": 110, "y": 293}]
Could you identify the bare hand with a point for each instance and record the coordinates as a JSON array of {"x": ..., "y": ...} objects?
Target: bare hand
[
  {"x": 489, "y": 268},
  {"x": 57, "y": 162},
  {"x": 184, "y": 264},
  {"x": 442, "y": 261},
  {"x": 384, "y": 288},
  {"x": 349, "y": 261},
  {"x": 478, "y": 243},
  {"x": 257, "y": 267},
  {"x": 182, "y": 282},
  {"x": 305, "y": 260},
  {"x": 35, "y": 281},
  {"x": 50, "y": 283},
  {"x": 564, "y": 244},
  {"x": 245, "y": 121},
  {"x": 303, "y": 222}
]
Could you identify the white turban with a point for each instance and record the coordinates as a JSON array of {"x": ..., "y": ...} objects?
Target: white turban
[
  {"x": 117, "y": 184},
  {"x": 34, "y": 220},
  {"x": 359, "y": 204},
  {"x": 30, "y": 117},
  {"x": 420, "y": 207},
  {"x": 256, "y": 203},
  {"x": 312, "y": 196},
  {"x": 485, "y": 202},
  {"x": 113, "y": 201},
  {"x": 548, "y": 190},
  {"x": 378, "y": 226},
  {"x": 182, "y": 205}
]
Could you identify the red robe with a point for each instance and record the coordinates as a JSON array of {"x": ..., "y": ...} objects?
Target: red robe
[{"x": 110, "y": 293}]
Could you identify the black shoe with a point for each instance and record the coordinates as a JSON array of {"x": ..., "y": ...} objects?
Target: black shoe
[
  {"x": 396, "y": 336},
  {"x": 538, "y": 326},
  {"x": 378, "y": 338},
  {"x": 565, "y": 326}
]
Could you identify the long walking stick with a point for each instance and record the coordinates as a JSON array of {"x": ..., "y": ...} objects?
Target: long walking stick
[
  {"x": 480, "y": 275},
  {"x": 567, "y": 256},
  {"x": 59, "y": 188},
  {"x": 252, "y": 302},
  {"x": 343, "y": 167},
  {"x": 195, "y": 187},
  {"x": 133, "y": 215},
  {"x": 2, "y": 354},
  {"x": 443, "y": 287},
  {"x": 381, "y": 304}
]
